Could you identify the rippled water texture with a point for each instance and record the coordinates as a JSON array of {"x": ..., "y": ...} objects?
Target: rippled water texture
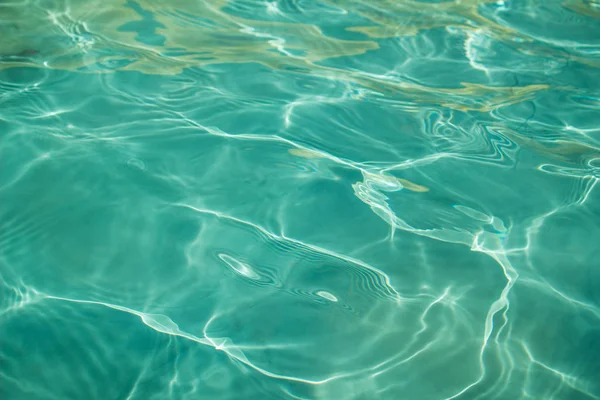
[{"x": 328, "y": 199}]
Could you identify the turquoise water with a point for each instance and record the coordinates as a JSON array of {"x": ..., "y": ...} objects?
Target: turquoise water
[{"x": 332, "y": 199}]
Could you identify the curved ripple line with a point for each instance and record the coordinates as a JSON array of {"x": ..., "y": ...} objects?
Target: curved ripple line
[
  {"x": 380, "y": 274},
  {"x": 569, "y": 380},
  {"x": 163, "y": 324},
  {"x": 481, "y": 241}
]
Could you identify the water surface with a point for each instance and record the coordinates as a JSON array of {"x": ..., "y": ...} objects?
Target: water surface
[{"x": 332, "y": 199}]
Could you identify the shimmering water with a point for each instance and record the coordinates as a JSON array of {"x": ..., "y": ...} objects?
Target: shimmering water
[{"x": 328, "y": 199}]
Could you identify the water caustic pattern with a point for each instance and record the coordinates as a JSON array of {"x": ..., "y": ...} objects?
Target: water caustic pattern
[{"x": 332, "y": 199}]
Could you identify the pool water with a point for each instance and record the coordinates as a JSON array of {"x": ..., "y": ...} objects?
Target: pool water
[{"x": 294, "y": 199}]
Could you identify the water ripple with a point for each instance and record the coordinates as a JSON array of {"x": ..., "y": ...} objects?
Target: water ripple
[{"x": 340, "y": 199}]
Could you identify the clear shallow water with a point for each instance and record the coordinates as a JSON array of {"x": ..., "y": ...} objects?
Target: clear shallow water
[{"x": 300, "y": 200}]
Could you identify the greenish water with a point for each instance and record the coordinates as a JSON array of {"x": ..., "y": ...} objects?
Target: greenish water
[{"x": 328, "y": 199}]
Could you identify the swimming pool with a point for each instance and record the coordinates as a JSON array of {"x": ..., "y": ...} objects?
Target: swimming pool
[{"x": 293, "y": 199}]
